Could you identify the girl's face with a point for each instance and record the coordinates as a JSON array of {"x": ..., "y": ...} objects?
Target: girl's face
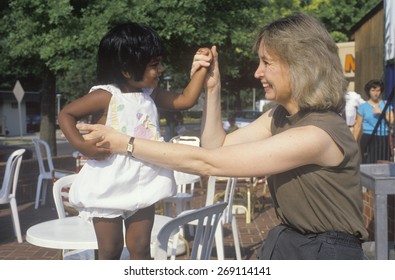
[
  {"x": 375, "y": 93},
  {"x": 151, "y": 75},
  {"x": 274, "y": 76}
]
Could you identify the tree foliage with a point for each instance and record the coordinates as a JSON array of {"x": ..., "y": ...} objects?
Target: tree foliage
[{"x": 53, "y": 44}]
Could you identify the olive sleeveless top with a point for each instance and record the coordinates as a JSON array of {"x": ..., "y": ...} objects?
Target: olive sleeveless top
[{"x": 315, "y": 199}]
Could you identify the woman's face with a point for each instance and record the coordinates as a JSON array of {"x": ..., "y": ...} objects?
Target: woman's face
[
  {"x": 375, "y": 93},
  {"x": 274, "y": 76}
]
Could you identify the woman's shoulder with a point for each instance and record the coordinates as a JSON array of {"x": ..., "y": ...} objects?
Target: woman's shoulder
[
  {"x": 363, "y": 107},
  {"x": 365, "y": 104},
  {"x": 384, "y": 102}
]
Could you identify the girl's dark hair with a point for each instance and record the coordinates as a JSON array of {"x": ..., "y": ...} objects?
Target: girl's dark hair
[
  {"x": 127, "y": 47},
  {"x": 374, "y": 84}
]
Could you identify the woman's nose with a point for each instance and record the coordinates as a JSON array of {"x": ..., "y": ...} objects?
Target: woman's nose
[{"x": 258, "y": 73}]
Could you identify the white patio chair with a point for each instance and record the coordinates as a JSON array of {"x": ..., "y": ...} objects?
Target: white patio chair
[
  {"x": 227, "y": 218},
  {"x": 182, "y": 200},
  {"x": 63, "y": 207},
  {"x": 247, "y": 192},
  {"x": 46, "y": 168},
  {"x": 61, "y": 194},
  {"x": 185, "y": 182},
  {"x": 8, "y": 188},
  {"x": 206, "y": 218}
]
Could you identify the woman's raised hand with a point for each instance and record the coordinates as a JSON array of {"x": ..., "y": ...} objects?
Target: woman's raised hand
[
  {"x": 213, "y": 78},
  {"x": 205, "y": 57}
]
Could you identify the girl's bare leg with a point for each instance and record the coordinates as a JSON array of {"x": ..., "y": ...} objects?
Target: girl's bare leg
[
  {"x": 138, "y": 233},
  {"x": 109, "y": 234}
]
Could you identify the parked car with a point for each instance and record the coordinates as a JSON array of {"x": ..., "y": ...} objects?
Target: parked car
[
  {"x": 33, "y": 123},
  {"x": 242, "y": 118}
]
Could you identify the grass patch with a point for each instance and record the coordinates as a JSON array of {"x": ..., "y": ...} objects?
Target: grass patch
[{"x": 15, "y": 141}]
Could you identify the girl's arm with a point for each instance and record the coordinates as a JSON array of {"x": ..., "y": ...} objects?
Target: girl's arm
[
  {"x": 171, "y": 100},
  {"x": 95, "y": 102},
  {"x": 279, "y": 153}
]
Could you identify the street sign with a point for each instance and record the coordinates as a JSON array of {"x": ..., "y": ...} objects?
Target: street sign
[{"x": 18, "y": 91}]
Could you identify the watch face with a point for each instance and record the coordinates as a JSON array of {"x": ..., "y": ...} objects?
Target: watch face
[{"x": 130, "y": 148}]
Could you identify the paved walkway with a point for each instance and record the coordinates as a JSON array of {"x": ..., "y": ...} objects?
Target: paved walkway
[{"x": 251, "y": 235}]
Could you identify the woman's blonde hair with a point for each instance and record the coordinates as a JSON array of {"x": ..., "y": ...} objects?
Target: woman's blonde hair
[{"x": 316, "y": 75}]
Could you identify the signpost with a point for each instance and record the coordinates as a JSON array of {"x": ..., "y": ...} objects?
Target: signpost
[{"x": 19, "y": 93}]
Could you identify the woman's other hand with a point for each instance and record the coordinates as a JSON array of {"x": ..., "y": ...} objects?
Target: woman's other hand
[
  {"x": 205, "y": 57},
  {"x": 91, "y": 151},
  {"x": 376, "y": 110}
]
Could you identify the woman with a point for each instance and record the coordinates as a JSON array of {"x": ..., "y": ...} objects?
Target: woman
[
  {"x": 303, "y": 145},
  {"x": 375, "y": 146}
]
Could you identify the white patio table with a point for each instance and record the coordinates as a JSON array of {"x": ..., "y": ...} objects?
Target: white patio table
[{"x": 75, "y": 233}]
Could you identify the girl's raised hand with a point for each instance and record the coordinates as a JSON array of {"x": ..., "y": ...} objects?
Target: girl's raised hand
[{"x": 202, "y": 58}]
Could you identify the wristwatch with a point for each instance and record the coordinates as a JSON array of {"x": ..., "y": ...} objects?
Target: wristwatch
[{"x": 130, "y": 146}]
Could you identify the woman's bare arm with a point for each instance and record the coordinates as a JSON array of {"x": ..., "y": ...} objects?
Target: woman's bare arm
[
  {"x": 212, "y": 132},
  {"x": 272, "y": 155}
]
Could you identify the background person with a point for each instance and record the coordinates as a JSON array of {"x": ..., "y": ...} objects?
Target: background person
[
  {"x": 353, "y": 101},
  {"x": 373, "y": 147},
  {"x": 303, "y": 144}
]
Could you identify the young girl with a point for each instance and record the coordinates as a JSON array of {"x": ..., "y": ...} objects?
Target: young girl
[{"x": 121, "y": 188}]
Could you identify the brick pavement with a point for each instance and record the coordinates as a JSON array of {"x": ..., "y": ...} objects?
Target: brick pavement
[{"x": 251, "y": 235}]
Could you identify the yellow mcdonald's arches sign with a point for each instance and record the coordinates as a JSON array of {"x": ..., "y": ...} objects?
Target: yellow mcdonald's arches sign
[{"x": 347, "y": 58}]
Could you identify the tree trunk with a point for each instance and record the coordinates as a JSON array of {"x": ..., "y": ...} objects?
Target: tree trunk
[{"x": 48, "y": 105}]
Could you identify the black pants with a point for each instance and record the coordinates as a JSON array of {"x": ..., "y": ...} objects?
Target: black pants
[
  {"x": 378, "y": 148},
  {"x": 284, "y": 243}
]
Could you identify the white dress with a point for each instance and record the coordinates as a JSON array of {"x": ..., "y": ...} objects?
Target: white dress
[{"x": 120, "y": 185}]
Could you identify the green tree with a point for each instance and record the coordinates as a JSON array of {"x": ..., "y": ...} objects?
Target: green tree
[
  {"x": 340, "y": 16},
  {"x": 55, "y": 42}
]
